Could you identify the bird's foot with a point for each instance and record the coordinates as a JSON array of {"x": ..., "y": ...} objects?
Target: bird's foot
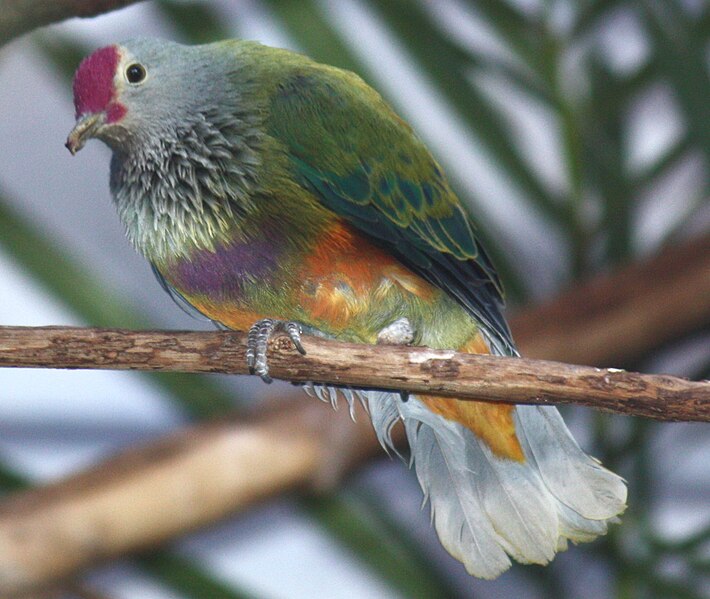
[
  {"x": 258, "y": 339},
  {"x": 400, "y": 332}
]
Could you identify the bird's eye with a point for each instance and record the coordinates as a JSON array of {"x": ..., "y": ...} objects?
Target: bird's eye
[{"x": 135, "y": 73}]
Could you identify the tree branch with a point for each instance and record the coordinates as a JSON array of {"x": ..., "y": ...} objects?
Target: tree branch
[
  {"x": 414, "y": 369},
  {"x": 151, "y": 493},
  {"x": 20, "y": 16},
  {"x": 618, "y": 316}
]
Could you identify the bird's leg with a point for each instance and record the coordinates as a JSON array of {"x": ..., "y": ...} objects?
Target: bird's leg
[
  {"x": 400, "y": 332},
  {"x": 258, "y": 339}
]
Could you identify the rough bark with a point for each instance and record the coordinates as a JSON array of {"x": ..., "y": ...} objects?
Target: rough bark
[{"x": 414, "y": 369}]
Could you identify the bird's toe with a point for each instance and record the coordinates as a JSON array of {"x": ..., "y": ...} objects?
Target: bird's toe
[{"x": 258, "y": 341}]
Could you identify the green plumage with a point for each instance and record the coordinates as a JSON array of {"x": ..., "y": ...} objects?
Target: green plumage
[{"x": 364, "y": 163}]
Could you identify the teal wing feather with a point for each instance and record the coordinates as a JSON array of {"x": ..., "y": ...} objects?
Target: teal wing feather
[{"x": 364, "y": 163}]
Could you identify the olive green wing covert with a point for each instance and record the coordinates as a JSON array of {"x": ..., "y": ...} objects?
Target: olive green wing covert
[{"x": 364, "y": 163}]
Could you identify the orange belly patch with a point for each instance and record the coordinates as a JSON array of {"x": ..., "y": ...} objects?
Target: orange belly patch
[
  {"x": 490, "y": 422},
  {"x": 345, "y": 273},
  {"x": 227, "y": 314}
]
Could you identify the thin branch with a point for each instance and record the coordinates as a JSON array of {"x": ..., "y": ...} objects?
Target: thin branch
[
  {"x": 413, "y": 369},
  {"x": 20, "y": 16}
]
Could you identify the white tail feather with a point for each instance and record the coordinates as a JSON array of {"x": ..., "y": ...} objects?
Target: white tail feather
[
  {"x": 574, "y": 478},
  {"x": 516, "y": 504},
  {"x": 444, "y": 472},
  {"x": 485, "y": 507}
]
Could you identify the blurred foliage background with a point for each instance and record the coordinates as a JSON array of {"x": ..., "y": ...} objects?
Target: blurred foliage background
[{"x": 579, "y": 134}]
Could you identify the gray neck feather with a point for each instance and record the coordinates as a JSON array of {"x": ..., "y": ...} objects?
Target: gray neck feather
[{"x": 189, "y": 187}]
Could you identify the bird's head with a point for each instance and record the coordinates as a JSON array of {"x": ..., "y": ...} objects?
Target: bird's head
[{"x": 135, "y": 90}]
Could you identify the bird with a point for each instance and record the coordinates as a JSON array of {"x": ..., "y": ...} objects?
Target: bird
[{"x": 271, "y": 193}]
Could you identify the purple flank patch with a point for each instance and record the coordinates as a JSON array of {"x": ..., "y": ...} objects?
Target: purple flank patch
[
  {"x": 93, "y": 81},
  {"x": 225, "y": 271}
]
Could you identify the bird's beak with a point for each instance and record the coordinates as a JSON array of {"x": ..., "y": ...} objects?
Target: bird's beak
[{"x": 85, "y": 128}]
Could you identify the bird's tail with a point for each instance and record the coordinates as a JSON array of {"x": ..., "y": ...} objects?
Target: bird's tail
[
  {"x": 488, "y": 507},
  {"x": 503, "y": 481}
]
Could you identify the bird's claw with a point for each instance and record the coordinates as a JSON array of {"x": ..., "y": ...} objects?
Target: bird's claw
[
  {"x": 258, "y": 339},
  {"x": 293, "y": 330}
]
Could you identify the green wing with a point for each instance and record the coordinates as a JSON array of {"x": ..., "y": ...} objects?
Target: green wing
[{"x": 364, "y": 163}]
